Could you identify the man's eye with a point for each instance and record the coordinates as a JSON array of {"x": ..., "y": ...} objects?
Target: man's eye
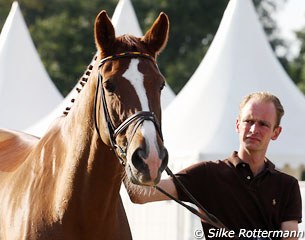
[{"x": 264, "y": 124}]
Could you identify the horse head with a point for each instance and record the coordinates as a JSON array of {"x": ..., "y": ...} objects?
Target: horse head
[{"x": 128, "y": 111}]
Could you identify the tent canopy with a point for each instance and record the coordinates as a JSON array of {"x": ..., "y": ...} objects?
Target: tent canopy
[
  {"x": 200, "y": 123},
  {"x": 26, "y": 91},
  {"x": 125, "y": 21}
]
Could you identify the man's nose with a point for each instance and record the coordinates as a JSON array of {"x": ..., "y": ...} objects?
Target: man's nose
[{"x": 253, "y": 128}]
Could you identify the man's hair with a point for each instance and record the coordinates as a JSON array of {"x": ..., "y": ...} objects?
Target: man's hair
[{"x": 266, "y": 97}]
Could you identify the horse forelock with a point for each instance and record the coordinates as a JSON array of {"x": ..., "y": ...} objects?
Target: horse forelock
[{"x": 129, "y": 43}]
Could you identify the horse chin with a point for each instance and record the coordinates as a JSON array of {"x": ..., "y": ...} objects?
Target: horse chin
[{"x": 139, "y": 178}]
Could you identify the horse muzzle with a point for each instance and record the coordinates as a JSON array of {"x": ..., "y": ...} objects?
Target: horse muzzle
[{"x": 145, "y": 168}]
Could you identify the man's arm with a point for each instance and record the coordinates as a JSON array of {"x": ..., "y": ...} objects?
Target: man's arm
[
  {"x": 290, "y": 226},
  {"x": 143, "y": 194}
]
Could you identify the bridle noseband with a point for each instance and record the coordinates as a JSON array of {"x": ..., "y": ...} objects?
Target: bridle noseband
[{"x": 138, "y": 118}]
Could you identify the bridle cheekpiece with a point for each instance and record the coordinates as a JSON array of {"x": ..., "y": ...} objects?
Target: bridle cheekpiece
[{"x": 138, "y": 118}]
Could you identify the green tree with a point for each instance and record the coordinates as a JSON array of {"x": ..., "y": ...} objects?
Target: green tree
[
  {"x": 64, "y": 37},
  {"x": 266, "y": 10},
  {"x": 297, "y": 65},
  {"x": 63, "y": 33},
  {"x": 193, "y": 27}
]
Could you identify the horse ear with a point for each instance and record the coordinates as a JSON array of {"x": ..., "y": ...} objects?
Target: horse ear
[
  {"x": 104, "y": 33},
  {"x": 156, "y": 37}
]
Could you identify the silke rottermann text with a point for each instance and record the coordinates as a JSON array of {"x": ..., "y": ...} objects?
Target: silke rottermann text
[{"x": 256, "y": 233}]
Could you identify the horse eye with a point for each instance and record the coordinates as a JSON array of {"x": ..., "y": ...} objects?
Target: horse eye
[
  {"x": 109, "y": 86},
  {"x": 162, "y": 86}
]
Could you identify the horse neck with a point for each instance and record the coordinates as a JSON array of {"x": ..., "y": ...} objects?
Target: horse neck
[{"x": 96, "y": 173}]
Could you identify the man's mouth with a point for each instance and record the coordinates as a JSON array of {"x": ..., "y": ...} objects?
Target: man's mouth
[{"x": 253, "y": 138}]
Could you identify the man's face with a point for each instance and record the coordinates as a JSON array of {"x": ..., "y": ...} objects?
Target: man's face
[{"x": 256, "y": 125}]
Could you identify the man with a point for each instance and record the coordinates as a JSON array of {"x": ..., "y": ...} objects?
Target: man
[{"x": 245, "y": 191}]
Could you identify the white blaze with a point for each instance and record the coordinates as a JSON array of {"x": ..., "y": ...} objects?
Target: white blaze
[
  {"x": 148, "y": 130},
  {"x": 136, "y": 79}
]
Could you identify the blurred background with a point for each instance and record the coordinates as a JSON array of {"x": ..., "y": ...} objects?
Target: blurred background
[
  {"x": 199, "y": 123},
  {"x": 62, "y": 31}
]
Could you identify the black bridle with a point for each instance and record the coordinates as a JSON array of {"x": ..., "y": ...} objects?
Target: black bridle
[{"x": 138, "y": 118}]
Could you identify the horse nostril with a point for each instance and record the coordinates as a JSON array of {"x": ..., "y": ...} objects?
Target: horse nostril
[
  {"x": 137, "y": 160},
  {"x": 139, "y": 156}
]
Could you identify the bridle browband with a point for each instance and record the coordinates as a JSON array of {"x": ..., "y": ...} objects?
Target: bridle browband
[{"x": 138, "y": 118}]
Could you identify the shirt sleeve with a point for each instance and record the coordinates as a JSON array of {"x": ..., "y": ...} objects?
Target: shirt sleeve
[
  {"x": 293, "y": 209},
  {"x": 193, "y": 178}
]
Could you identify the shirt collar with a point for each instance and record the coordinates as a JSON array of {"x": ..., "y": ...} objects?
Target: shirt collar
[{"x": 235, "y": 161}]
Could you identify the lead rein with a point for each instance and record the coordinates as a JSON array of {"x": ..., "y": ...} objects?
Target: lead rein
[{"x": 204, "y": 215}]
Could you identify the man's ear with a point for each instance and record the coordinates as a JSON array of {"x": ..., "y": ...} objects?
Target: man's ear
[
  {"x": 237, "y": 123},
  {"x": 276, "y": 132}
]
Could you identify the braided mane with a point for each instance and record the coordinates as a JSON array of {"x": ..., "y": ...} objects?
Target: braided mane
[
  {"x": 82, "y": 81},
  {"x": 63, "y": 179}
]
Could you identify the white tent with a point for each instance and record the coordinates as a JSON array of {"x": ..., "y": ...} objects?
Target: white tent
[
  {"x": 40, "y": 127},
  {"x": 199, "y": 123},
  {"x": 125, "y": 21},
  {"x": 239, "y": 61},
  {"x": 26, "y": 91}
]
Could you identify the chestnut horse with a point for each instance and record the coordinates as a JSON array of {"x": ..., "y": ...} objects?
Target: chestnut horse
[{"x": 66, "y": 184}]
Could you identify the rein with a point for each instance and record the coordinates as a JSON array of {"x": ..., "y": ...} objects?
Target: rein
[
  {"x": 138, "y": 118},
  {"x": 203, "y": 215}
]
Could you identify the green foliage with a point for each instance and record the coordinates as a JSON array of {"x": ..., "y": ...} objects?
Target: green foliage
[
  {"x": 297, "y": 65},
  {"x": 192, "y": 28},
  {"x": 64, "y": 61},
  {"x": 63, "y": 33}
]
